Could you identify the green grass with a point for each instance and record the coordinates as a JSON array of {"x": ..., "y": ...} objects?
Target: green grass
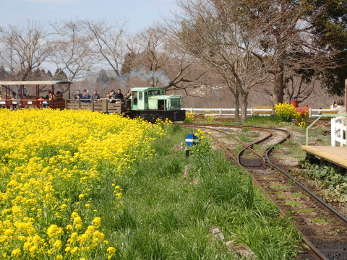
[
  {"x": 279, "y": 187},
  {"x": 294, "y": 204},
  {"x": 306, "y": 210},
  {"x": 319, "y": 220},
  {"x": 168, "y": 216}
]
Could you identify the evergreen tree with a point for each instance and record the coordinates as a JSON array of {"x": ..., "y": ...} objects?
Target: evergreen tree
[
  {"x": 3, "y": 73},
  {"x": 128, "y": 64},
  {"x": 103, "y": 78},
  {"x": 331, "y": 27},
  {"x": 49, "y": 75},
  {"x": 60, "y": 75}
]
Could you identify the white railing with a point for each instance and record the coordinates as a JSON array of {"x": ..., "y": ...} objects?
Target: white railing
[
  {"x": 338, "y": 131},
  {"x": 229, "y": 111},
  {"x": 313, "y": 112}
]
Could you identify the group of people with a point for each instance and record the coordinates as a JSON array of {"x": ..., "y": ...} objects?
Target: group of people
[
  {"x": 116, "y": 95},
  {"x": 85, "y": 97},
  {"x": 54, "y": 97},
  {"x": 113, "y": 96}
]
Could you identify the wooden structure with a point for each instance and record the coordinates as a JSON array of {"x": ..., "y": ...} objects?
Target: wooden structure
[
  {"x": 14, "y": 94},
  {"x": 103, "y": 105},
  {"x": 337, "y": 152},
  {"x": 335, "y": 155}
]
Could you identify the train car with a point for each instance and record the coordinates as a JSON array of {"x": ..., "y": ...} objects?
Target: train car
[
  {"x": 153, "y": 103},
  {"x": 148, "y": 103}
]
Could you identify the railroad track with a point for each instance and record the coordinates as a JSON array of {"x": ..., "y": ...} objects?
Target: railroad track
[{"x": 325, "y": 241}]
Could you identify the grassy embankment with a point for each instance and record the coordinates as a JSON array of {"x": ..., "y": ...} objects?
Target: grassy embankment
[{"x": 169, "y": 215}]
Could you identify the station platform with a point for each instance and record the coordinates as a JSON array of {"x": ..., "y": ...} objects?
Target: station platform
[{"x": 335, "y": 155}]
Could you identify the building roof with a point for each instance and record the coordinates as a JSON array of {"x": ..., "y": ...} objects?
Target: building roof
[{"x": 33, "y": 83}]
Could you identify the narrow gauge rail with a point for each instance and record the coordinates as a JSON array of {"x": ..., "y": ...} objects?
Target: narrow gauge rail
[{"x": 263, "y": 162}]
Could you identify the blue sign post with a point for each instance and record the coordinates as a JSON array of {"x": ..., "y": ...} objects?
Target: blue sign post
[{"x": 191, "y": 140}]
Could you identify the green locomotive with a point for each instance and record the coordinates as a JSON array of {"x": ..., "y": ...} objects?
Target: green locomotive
[{"x": 153, "y": 103}]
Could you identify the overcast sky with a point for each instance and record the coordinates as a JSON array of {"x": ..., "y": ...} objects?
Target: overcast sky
[{"x": 137, "y": 14}]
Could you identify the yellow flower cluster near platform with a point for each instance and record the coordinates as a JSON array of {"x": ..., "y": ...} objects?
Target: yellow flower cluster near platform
[
  {"x": 285, "y": 111},
  {"x": 52, "y": 164}
]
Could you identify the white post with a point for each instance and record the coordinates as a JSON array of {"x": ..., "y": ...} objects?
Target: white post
[{"x": 333, "y": 141}]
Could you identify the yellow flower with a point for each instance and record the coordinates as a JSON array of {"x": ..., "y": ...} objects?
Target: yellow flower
[
  {"x": 49, "y": 152},
  {"x": 54, "y": 231},
  {"x": 69, "y": 227},
  {"x": 74, "y": 250},
  {"x": 33, "y": 249},
  {"x": 111, "y": 251},
  {"x": 97, "y": 221},
  {"x": 57, "y": 244},
  {"x": 16, "y": 252},
  {"x": 119, "y": 195}
]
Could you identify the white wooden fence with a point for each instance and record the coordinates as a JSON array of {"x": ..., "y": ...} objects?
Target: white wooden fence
[
  {"x": 313, "y": 112},
  {"x": 338, "y": 131}
]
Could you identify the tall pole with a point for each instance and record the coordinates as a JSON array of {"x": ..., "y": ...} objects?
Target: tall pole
[{"x": 346, "y": 95}]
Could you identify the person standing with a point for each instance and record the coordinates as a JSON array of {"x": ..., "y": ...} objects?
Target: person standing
[
  {"x": 85, "y": 96},
  {"x": 119, "y": 95},
  {"x": 96, "y": 95}
]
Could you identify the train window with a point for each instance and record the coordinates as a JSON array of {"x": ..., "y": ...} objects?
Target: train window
[
  {"x": 161, "y": 104},
  {"x": 175, "y": 103},
  {"x": 153, "y": 92},
  {"x": 140, "y": 95},
  {"x": 134, "y": 97}
]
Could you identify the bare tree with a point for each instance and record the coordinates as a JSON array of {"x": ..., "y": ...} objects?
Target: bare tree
[
  {"x": 211, "y": 32},
  {"x": 73, "y": 49},
  {"x": 286, "y": 38},
  {"x": 160, "y": 62},
  {"x": 24, "y": 49},
  {"x": 299, "y": 87},
  {"x": 109, "y": 43}
]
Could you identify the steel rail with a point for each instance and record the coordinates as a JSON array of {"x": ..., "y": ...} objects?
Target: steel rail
[
  {"x": 266, "y": 157},
  {"x": 270, "y": 163}
]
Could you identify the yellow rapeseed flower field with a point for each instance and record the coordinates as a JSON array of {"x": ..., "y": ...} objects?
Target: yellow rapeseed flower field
[{"x": 50, "y": 164}]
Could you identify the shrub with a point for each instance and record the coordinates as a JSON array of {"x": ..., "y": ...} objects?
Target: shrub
[
  {"x": 210, "y": 119},
  {"x": 301, "y": 119},
  {"x": 285, "y": 112},
  {"x": 190, "y": 117}
]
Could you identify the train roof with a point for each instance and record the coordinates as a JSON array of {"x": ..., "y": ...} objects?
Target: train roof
[
  {"x": 165, "y": 96},
  {"x": 146, "y": 88},
  {"x": 34, "y": 83}
]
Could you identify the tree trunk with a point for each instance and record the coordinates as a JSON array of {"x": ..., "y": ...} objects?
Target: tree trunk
[
  {"x": 244, "y": 106},
  {"x": 278, "y": 90},
  {"x": 237, "y": 105}
]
